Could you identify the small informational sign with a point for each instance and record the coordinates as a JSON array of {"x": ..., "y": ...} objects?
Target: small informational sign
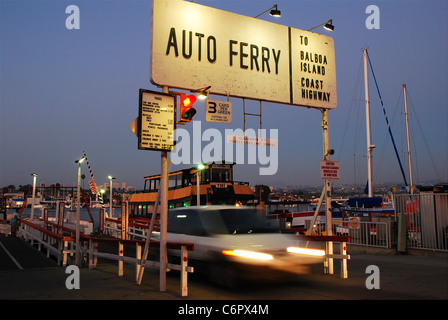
[
  {"x": 252, "y": 141},
  {"x": 156, "y": 121},
  {"x": 329, "y": 170},
  {"x": 218, "y": 111}
]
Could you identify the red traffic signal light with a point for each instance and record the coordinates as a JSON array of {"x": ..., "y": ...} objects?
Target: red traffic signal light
[{"x": 186, "y": 107}]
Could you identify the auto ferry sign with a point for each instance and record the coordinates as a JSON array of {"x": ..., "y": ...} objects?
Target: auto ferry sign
[{"x": 193, "y": 46}]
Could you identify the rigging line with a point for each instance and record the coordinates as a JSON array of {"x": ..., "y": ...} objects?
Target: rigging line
[
  {"x": 349, "y": 113},
  {"x": 357, "y": 91},
  {"x": 385, "y": 143},
  {"x": 387, "y": 122},
  {"x": 424, "y": 139},
  {"x": 415, "y": 157}
]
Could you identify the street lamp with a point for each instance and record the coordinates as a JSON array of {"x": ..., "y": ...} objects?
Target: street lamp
[
  {"x": 34, "y": 193},
  {"x": 327, "y": 25},
  {"x": 111, "y": 194},
  {"x": 199, "y": 168},
  {"x": 77, "y": 254},
  {"x": 202, "y": 92},
  {"x": 274, "y": 12}
]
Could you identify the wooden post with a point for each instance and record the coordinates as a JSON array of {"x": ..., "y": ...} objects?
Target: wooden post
[
  {"x": 120, "y": 261},
  {"x": 137, "y": 265}
]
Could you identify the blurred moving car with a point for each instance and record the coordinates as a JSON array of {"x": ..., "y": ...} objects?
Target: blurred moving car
[{"x": 234, "y": 243}]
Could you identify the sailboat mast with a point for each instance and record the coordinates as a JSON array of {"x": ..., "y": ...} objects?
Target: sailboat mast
[
  {"x": 407, "y": 133},
  {"x": 369, "y": 142}
]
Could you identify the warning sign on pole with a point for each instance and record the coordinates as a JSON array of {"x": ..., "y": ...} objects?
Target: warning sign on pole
[{"x": 329, "y": 170}]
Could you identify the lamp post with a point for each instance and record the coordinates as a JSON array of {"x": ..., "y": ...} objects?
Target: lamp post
[
  {"x": 77, "y": 254},
  {"x": 274, "y": 12},
  {"x": 199, "y": 168},
  {"x": 327, "y": 26},
  {"x": 111, "y": 194},
  {"x": 34, "y": 194}
]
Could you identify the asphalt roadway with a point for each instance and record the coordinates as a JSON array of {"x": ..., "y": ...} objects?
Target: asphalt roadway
[{"x": 401, "y": 278}]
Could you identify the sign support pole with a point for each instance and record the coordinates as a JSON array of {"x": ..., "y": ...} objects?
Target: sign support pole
[
  {"x": 327, "y": 190},
  {"x": 163, "y": 214}
]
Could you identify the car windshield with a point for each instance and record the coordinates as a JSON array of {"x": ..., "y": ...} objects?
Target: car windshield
[{"x": 234, "y": 221}]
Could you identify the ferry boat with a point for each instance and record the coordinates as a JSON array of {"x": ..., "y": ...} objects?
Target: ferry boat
[
  {"x": 216, "y": 187},
  {"x": 298, "y": 214}
]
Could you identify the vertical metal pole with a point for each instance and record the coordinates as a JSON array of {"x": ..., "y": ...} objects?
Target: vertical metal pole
[
  {"x": 110, "y": 200},
  {"x": 77, "y": 258},
  {"x": 369, "y": 142},
  {"x": 34, "y": 194},
  {"x": 328, "y": 218},
  {"x": 198, "y": 188},
  {"x": 244, "y": 117},
  {"x": 163, "y": 214},
  {"x": 407, "y": 132}
]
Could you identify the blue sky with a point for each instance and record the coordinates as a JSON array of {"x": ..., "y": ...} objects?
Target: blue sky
[{"x": 64, "y": 91}]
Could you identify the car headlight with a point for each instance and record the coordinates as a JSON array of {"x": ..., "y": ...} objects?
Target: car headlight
[
  {"x": 248, "y": 254},
  {"x": 306, "y": 251}
]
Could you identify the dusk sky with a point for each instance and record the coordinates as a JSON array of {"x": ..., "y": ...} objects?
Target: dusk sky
[{"x": 65, "y": 91}]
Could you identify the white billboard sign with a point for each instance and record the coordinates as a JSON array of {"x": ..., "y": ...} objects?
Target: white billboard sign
[{"x": 194, "y": 46}]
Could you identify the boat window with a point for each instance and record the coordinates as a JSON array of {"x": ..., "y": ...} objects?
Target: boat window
[
  {"x": 179, "y": 180},
  {"x": 221, "y": 175},
  {"x": 205, "y": 175},
  {"x": 155, "y": 184},
  {"x": 172, "y": 181},
  {"x": 186, "y": 179}
]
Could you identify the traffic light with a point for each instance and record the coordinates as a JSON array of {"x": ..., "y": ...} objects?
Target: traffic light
[{"x": 186, "y": 107}]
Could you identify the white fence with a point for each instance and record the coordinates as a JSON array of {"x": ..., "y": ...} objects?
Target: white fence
[
  {"x": 425, "y": 224},
  {"x": 379, "y": 234},
  {"x": 427, "y": 219},
  {"x": 365, "y": 233}
]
